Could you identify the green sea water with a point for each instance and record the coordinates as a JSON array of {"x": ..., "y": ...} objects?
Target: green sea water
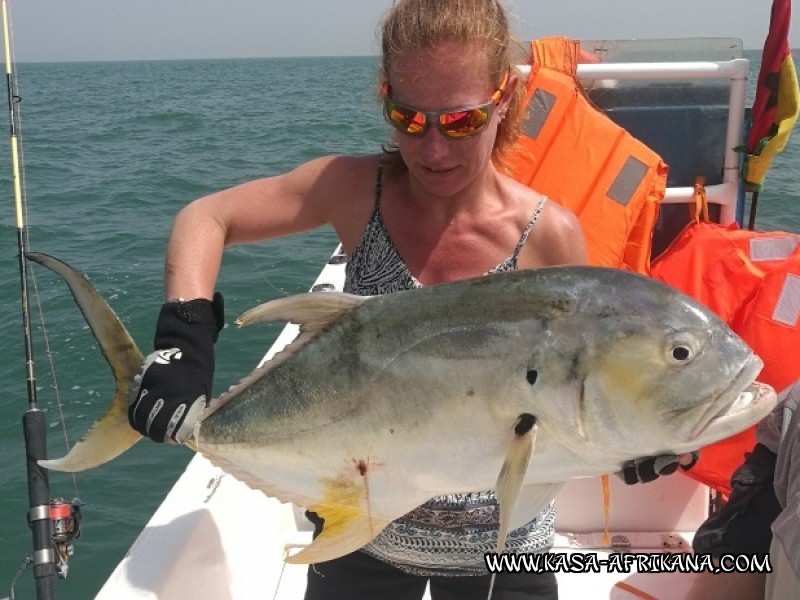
[{"x": 111, "y": 152}]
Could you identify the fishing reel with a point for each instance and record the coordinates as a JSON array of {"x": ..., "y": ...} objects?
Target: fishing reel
[
  {"x": 65, "y": 521},
  {"x": 65, "y": 528}
]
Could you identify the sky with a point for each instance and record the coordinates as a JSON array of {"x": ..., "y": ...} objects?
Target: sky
[{"x": 91, "y": 30}]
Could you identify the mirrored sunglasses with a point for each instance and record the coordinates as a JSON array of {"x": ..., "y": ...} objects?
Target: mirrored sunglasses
[{"x": 455, "y": 123}]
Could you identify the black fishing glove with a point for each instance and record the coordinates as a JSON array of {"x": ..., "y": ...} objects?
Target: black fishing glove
[
  {"x": 170, "y": 395},
  {"x": 645, "y": 470}
]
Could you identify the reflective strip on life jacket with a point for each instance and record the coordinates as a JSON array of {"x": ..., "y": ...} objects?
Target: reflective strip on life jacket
[
  {"x": 771, "y": 323},
  {"x": 580, "y": 158}
]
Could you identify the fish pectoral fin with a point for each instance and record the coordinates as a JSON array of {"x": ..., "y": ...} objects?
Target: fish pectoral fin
[
  {"x": 346, "y": 529},
  {"x": 532, "y": 500},
  {"x": 512, "y": 473},
  {"x": 311, "y": 311}
]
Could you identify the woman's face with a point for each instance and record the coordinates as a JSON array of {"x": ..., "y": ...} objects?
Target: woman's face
[{"x": 451, "y": 75}]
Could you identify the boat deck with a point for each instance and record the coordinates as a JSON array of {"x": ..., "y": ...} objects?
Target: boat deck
[{"x": 216, "y": 538}]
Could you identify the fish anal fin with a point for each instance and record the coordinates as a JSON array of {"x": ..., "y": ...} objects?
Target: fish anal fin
[
  {"x": 342, "y": 502},
  {"x": 217, "y": 457},
  {"x": 346, "y": 529}
]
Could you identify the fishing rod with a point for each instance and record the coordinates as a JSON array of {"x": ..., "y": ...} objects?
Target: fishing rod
[{"x": 54, "y": 523}]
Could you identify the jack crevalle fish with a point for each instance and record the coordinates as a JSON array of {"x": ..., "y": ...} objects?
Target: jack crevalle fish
[{"x": 515, "y": 382}]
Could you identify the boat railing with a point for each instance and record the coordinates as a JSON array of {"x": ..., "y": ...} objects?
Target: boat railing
[
  {"x": 735, "y": 71},
  {"x": 723, "y": 188}
]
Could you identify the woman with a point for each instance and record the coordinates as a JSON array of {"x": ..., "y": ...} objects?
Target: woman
[{"x": 434, "y": 207}]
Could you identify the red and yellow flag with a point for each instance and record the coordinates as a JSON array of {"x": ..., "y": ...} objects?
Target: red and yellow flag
[{"x": 777, "y": 101}]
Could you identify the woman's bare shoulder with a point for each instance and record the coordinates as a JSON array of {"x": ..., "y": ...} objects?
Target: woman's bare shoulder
[
  {"x": 561, "y": 239},
  {"x": 346, "y": 187},
  {"x": 560, "y": 219},
  {"x": 333, "y": 184},
  {"x": 555, "y": 219},
  {"x": 557, "y": 237},
  {"x": 342, "y": 170}
]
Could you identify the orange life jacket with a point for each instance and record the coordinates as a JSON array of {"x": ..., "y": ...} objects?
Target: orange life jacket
[
  {"x": 581, "y": 159},
  {"x": 752, "y": 281},
  {"x": 722, "y": 267},
  {"x": 770, "y": 323}
]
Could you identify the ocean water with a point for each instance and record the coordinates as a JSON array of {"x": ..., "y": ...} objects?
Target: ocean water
[{"x": 111, "y": 152}]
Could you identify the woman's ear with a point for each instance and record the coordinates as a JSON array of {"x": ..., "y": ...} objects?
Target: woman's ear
[{"x": 508, "y": 94}]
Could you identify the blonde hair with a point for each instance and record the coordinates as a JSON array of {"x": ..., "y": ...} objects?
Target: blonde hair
[{"x": 423, "y": 24}]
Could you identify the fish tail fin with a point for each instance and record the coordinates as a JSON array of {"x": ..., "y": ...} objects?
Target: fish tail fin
[
  {"x": 111, "y": 435},
  {"x": 108, "y": 437},
  {"x": 346, "y": 529}
]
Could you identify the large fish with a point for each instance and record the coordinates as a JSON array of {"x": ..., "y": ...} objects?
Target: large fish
[{"x": 384, "y": 402}]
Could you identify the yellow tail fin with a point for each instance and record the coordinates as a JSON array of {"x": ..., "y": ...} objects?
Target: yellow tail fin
[{"x": 111, "y": 435}]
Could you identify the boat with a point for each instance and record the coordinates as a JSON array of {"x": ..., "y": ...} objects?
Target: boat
[{"x": 686, "y": 99}]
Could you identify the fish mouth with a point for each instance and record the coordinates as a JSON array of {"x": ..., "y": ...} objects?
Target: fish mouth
[{"x": 751, "y": 405}]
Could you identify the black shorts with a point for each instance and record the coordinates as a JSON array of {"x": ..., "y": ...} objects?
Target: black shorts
[
  {"x": 359, "y": 576},
  {"x": 742, "y": 526}
]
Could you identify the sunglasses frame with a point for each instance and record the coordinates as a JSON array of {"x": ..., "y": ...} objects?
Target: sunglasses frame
[{"x": 435, "y": 116}]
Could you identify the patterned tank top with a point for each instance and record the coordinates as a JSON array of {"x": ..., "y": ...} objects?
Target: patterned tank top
[{"x": 447, "y": 535}]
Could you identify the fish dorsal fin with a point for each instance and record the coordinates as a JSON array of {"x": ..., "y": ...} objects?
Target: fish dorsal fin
[{"x": 311, "y": 311}]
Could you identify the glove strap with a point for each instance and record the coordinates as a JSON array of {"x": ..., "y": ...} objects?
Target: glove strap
[
  {"x": 194, "y": 311},
  {"x": 198, "y": 311}
]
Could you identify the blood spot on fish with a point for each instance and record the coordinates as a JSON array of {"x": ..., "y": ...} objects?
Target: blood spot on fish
[
  {"x": 525, "y": 423},
  {"x": 532, "y": 375},
  {"x": 361, "y": 467},
  {"x": 470, "y": 392}
]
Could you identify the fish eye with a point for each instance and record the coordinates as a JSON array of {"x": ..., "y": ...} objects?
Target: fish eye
[{"x": 680, "y": 351}]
